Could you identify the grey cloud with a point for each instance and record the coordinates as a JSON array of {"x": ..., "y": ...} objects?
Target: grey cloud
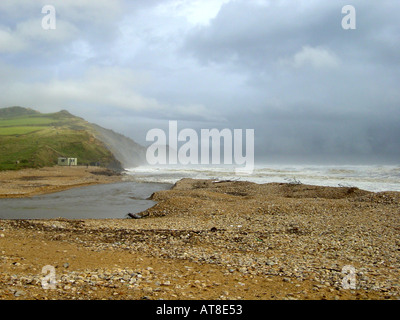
[
  {"x": 259, "y": 35},
  {"x": 23, "y": 38},
  {"x": 321, "y": 90},
  {"x": 287, "y": 69}
]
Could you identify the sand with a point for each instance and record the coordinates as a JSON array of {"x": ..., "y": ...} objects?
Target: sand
[
  {"x": 31, "y": 182},
  {"x": 214, "y": 240}
]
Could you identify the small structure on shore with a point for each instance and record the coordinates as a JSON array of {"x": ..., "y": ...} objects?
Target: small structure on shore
[{"x": 67, "y": 161}]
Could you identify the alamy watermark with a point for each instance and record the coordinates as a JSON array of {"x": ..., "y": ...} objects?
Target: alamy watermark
[
  {"x": 49, "y": 21},
  {"x": 349, "y": 20},
  {"x": 349, "y": 279},
  {"x": 198, "y": 150},
  {"x": 49, "y": 280}
]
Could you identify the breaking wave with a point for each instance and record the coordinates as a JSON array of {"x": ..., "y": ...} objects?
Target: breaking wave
[{"x": 371, "y": 178}]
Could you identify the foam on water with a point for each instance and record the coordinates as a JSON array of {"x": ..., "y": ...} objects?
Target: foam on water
[
  {"x": 371, "y": 178},
  {"x": 115, "y": 200}
]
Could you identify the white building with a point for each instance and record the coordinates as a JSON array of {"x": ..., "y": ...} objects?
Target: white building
[{"x": 67, "y": 161}]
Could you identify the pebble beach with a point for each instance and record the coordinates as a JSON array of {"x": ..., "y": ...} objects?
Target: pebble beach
[{"x": 219, "y": 240}]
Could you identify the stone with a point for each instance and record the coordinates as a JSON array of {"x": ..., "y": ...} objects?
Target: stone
[{"x": 19, "y": 293}]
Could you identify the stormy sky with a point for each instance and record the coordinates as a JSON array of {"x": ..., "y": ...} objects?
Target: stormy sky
[{"x": 311, "y": 90}]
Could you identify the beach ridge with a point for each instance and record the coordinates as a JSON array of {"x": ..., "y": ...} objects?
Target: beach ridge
[{"x": 223, "y": 240}]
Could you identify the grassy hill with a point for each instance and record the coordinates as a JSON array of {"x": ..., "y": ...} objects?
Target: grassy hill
[{"x": 29, "y": 139}]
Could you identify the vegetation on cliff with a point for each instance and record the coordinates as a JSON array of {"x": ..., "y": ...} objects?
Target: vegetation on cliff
[{"x": 30, "y": 139}]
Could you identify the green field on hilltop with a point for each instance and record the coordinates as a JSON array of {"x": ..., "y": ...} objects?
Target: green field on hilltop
[
  {"x": 10, "y": 131},
  {"x": 29, "y": 139},
  {"x": 26, "y": 121}
]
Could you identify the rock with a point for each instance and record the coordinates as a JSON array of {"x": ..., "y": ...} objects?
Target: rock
[
  {"x": 135, "y": 216},
  {"x": 147, "y": 289},
  {"x": 19, "y": 293},
  {"x": 323, "y": 229},
  {"x": 243, "y": 270}
]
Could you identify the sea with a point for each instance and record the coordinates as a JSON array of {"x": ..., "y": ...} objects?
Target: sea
[
  {"x": 116, "y": 200},
  {"x": 374, "y": 178}
]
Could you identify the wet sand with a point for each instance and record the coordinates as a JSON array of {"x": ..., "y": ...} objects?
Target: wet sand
[{"x": 227, "y": 240}]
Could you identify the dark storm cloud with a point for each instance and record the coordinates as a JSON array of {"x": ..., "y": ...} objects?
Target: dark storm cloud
[
  {"x": 253, "y": 35},
  {"x": 322, "y": 90},
  {"x": 310, "y": 89}
]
